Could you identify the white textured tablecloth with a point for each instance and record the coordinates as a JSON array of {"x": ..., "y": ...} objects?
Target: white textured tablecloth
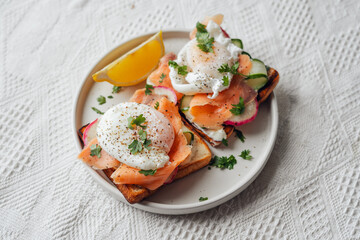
[{"x": 310, "y": 187}]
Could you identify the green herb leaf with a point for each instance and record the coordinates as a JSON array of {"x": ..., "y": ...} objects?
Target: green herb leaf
[
  {"x": 157, "y": 105},
  {"x": 142, "y": 134},
  {"x": 225, "y": 81},
  {"x": 148, "y": 172},
  {"x": 116, "y": 89},
  {"x": 97, "y": 111},
  {"x": 139, "y": 120},
  {"x": 225, "y": 68},
  {"x": 246, "y": 155},
  {"x": 201, "y": 199},
  {"x": 182, "y": 70},
  {"x": 240, "y": 135},
  {"x": 147, "y": 143},
  {"x": 223, "y": 162},
  {"x": 101, "y": 100},
  {"x": 135, "y": 147},
  {"x": 95, "y": 150},
  {"x": 238, "y": 108},
  {"x": 205, "y": 42},
  {"x": 130, "y": 123},
  {"x": 148, "y": 89},
  {"x": 201, "y": 28},
  {"x": 110, "y": 96},
  {"x": 162, "y": 77},
  {"x": 225, "y": 142}
]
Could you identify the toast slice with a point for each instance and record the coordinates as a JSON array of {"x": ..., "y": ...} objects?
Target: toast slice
[
  {"x": 263, "y": 94},
  {"x": 200, "y": 157}
]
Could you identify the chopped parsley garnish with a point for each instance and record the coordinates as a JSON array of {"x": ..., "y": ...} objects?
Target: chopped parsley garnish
[
  {"x": 148, "y": 89},
  {"x": 240, "y": 135},
  {"x": 147, "y": 142},
  {"x": 97, "y": 111},
  {"x": 205, "y": 42},
  {"x": 157, "y": 105},
  {"x": 135, "y": 147},
  {"x": 136, "y": 121},
  {"x": 110, "y": 96},
  {"x": 225, "y": 81},
  {"x": 201, "y": 199},
  {"x": 225, "y": 142},
  {"x": 116, "y": 89},
  {"x": 162, "y": 77},
  {"x": 142, "y": 134},
  {"x": 182, "y": 70},
  {"x": 223, "y": 162},
  {"x": 246, "y": 155},
  {"x": 238, "y": 108},
  {"x": 95, "y": 150},
  {"x": 101, "y": 100},
  {"x": 225, "y": 68},
  {"x": 148, "y": 172}
]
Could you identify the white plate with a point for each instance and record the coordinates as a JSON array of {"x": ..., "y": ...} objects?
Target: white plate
[{"x": 182, "y": 196}]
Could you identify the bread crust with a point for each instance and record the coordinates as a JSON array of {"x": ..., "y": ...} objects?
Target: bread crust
[{"x": 135, "y": 193}]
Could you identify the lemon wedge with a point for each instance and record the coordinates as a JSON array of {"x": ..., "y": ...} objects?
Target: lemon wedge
[{"x": 134, "y": 66}]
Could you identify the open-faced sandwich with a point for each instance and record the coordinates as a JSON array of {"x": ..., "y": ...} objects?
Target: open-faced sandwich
[
  {"x": 156, "y": 137},
  {"x": 220, "y": 85}
]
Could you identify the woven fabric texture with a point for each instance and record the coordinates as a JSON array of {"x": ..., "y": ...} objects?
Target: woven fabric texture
[{"x": 310, "y": 187}]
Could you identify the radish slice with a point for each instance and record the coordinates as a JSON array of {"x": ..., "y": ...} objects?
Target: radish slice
[
  {"x": 224, "y": 32},
  {"x": 247, "y": 116},
  {"x": 164, "y": 91},
  {"x": 172, "y": 176},
  {"x": 90, "y": 132}
]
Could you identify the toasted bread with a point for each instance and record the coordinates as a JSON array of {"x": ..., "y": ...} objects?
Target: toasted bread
[
  {"x": 263, "y": 94},
  {"x": 199, "y": 158}
]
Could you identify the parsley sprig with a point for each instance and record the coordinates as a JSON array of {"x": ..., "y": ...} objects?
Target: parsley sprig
[
  {"x": 148, "y": 172},
  {"x": 97, "y": 111},
  {"x": 238, "y": 108},
  {"x": 136, "y": 145},
  {"x": 246, "y": 155},
  {"x": 148, "y": 89},
  {"x": 157, "y": 105},
  {"x": 225, "y": 80},
  {"x": 201, "y": 199},
  {"x": 101, "y": 100},
  {"x": 116, "y": 89},
  {"x": 205, "y": 42},
  {"x": 223, "y": 162},
  {"x": 95, "y": 150},
  {"x": 240, "y": 135},
  {"x": 162, "y": 77},
  {"x": 225, "y": 142},
  {"x": 182, "y": 70},
  {"x": 136, "y": 121},
  {"x": 225, "y": 68}
]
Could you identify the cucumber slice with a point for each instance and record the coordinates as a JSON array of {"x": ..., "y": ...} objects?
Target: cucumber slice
[
  {"x": 185, "y": 103},
  {"x": 189, "y": 137},
  {"x": 258, "y": 75},
  {"x": 246, "y": 53},
  {"x": 237, "y": 42}
]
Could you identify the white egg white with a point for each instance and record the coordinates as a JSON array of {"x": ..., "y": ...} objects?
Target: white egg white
[
  {"x": 115, "y": 136},
  {"x": 203, "y": 75}
]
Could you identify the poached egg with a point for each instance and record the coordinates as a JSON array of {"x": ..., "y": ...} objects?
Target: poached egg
[
  {"x": 115, "y": 136},
  {"x": 203, "y": 75}
]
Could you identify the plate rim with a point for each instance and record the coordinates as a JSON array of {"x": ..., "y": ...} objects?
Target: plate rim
[{"x": 177, "y": 209}]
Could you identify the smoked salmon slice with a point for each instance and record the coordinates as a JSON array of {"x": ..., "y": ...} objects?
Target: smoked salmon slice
[
  {"x": 156, "y": 76},
  {"x": 105, "y": 161},
  {"x": 128, "y": 175},
  {"x": 212, "y": 113}
]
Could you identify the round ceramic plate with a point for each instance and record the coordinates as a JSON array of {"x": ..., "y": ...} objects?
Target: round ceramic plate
[{"x": 182, "y": 196}]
